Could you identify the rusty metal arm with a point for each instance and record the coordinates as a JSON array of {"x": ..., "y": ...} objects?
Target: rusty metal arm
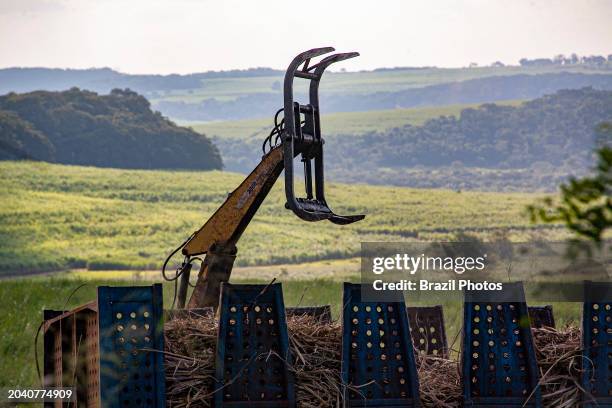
[{"x": 218, "y": 236}]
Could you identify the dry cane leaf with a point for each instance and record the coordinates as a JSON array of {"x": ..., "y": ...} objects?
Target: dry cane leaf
[{"x": 316, "y": 351}]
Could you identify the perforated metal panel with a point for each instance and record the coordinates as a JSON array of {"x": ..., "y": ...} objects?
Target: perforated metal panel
[
  {"x": 89, "y": 383},
  {"x": 68, "y": 359},
  {"x": 130, "y": 332},
  {"x": 321, "y": 313},
  {"x": 252, "y": 348},
  {"x": 597, "y": 343},
  {"x": 541, "y": 316},
  {"x": 427, "y": 329},
  {"x": 499, "y": 363},
  {"x": 52, "y": 343},
  {"x": 378, "y": 362}
]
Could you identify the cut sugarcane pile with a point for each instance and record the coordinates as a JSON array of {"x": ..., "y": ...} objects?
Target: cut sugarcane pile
[{"x": 316, "y": 351}]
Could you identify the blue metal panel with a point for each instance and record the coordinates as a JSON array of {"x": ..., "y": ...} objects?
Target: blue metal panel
[
  {"x": 427, "y": 329},
  {"x": 597, "y": 344},
  {"x": 378, "y": 363},
  {"x": 131, "y": 343},
  {"x": 541, "y": 316},
  {"x": 499, "y": 362},
  {"x": 253, "y": 348}
]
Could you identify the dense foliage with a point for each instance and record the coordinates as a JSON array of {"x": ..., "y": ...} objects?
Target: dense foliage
[
  {"x": 555, "y": 129},
  {"x": 535, "y": 145},
  {"x": 82, "y": 127},
  {"x": 585, "y": 205},
  {"x": 573, "y": 59}
]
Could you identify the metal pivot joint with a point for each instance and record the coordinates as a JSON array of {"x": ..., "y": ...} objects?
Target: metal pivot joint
[{"x": 304, "y": 138}]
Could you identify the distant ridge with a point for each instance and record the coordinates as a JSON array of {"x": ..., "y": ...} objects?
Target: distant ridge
[
  {"x": 528, "y": 147},
  {"x": 480, "y": 90},
  {"x": 103, "y": 80},
  {"x": 257, "y": 92}
]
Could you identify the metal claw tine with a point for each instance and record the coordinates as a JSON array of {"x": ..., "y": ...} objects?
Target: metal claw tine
[
  {"x": 315, "y": 52},
  {"x": 306, "y": 55},
  {"x": 339, "y": 57},
  {"x": 332, "y": 59},
  {"x": 305, "y": 139}
]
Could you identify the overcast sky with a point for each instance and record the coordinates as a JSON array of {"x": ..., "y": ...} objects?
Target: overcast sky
[{"x": 183, "y": 36}]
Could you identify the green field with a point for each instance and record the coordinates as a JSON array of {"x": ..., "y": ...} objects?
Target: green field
[
  {"x": 346, "y": 123},
  {"x": 365, "y": 82},
  {"x": 56, "y": 217}
]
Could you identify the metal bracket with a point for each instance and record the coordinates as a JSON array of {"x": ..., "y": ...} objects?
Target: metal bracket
[
  {"x": 427, "y": 330},
  {"x": 253, "y": 348},
  {"x": 131, "y": 338},
  {"x": 378, "y": 364},
  {"x": 109, "y": 350},
  {"x": 498, "y": 358},
  {"x": 597, "y": 344},
  {"x": 216, "y": 269},
  {"x": 541, "y": 316}
]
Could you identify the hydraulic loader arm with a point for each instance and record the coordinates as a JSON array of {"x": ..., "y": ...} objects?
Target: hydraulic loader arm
[
  {"x": 218, "y": 236},
  {"x": 297, "y": 134},
  {"x": 228, "y": 223}
]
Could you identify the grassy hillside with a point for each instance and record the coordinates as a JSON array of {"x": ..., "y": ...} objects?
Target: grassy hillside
[
  {"x": 478, "y": 90},
  {"x": 530, "y": 146},
  {"x": 348, "y": 123},
  {"x": 56, "y": 216},
  {"x": 228, "y": 85},
  {"x": 257, "y": 92},
  {"x": 364, "y": 82}
]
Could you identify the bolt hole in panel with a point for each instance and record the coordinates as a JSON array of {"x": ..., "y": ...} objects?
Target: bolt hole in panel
[
  {"x": 320, "y": 313},
  {"x": 130, "y": 340},
  {"x": 378, "y": 363},
  {"x": 427, "y": 330},
  {"x": 597, "y": 344},
  {"x": 498, "y": 358},
  {"x": 253, "y": 348},
  {"x": 541, "y": 316}
]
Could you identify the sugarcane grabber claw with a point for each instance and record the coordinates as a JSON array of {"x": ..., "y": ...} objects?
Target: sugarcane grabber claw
[{"x": 304, "y": 138}]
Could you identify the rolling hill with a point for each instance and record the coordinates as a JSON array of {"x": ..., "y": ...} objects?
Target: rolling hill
[
  {"x": 114, "y": 130},
  {"x": 345, "y": 123},
  {"x": 470, "y": 91},
  {"x": 57, "y": 217},
  {"x": 531, "y": 146},
  {"x": 256, "y": 93}
]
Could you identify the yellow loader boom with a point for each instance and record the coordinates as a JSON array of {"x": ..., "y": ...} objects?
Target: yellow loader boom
[{"x": 297, "y": 134}]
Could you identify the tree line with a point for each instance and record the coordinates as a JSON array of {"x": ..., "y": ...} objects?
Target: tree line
[
  {"x": 114, "y": 130},
  {"x": 573, "y": 59},
  {"x": 533, "y": 146}
]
